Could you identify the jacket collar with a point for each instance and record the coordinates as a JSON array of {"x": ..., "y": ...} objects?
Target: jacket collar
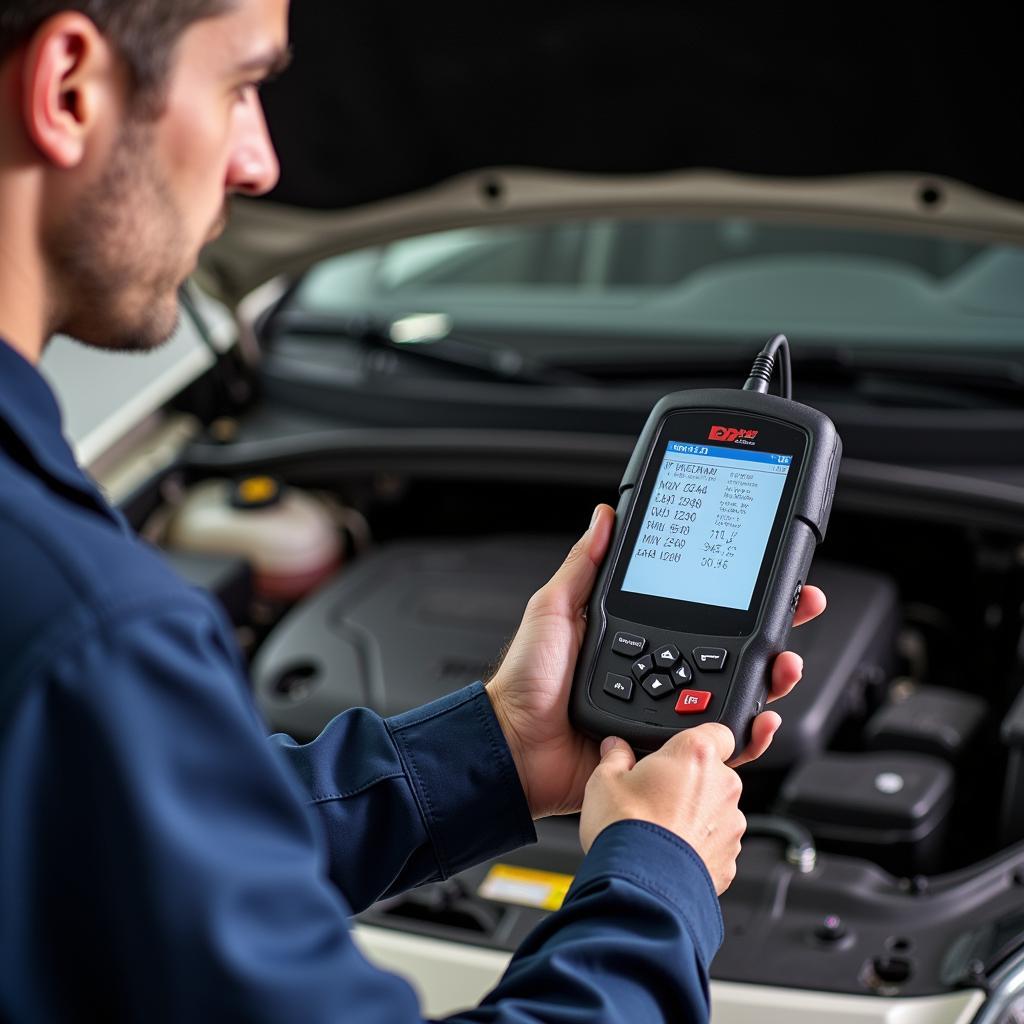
[{"x": 31, "y": 432}]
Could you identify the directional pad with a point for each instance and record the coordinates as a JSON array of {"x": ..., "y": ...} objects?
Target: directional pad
[{"x": 658, "y": 685}]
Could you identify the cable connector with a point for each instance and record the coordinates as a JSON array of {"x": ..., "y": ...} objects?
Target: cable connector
[
  {"x": 764, "y": 366},
  {"x": 760, "y": 374}
]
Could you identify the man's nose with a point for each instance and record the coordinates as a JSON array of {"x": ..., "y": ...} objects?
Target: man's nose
[{"x": 253, "y": 168}]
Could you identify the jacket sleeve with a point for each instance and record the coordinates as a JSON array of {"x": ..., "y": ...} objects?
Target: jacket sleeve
[
  {"x": 436, "y": 788},
  {"x": 633, "y": 941},
  {"x": 159, "y": 862}
]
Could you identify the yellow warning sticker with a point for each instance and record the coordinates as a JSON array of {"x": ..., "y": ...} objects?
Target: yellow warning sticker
[{"x": 507, "y": 883}]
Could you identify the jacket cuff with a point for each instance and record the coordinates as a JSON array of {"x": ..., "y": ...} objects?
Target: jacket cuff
[
  {"x": 667, "y": 867},
  {"x": 464, "y": 779}
]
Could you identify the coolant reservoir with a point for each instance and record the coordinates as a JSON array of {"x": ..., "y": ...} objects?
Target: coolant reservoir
[{"x": 289, "y": 537}]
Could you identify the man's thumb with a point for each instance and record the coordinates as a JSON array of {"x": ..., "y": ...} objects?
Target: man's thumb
[{"x": 617, "y": 754}]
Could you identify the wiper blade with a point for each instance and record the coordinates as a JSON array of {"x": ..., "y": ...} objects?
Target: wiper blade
[{"x": 450, "y": 348}]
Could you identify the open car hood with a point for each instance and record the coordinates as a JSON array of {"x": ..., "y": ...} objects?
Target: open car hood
[{"x": 397, "y": 120}]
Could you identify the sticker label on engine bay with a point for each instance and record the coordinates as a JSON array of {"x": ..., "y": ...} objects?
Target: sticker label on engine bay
[{"x": 526, "y": 887}]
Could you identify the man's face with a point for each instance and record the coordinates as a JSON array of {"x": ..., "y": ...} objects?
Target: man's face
[{"x": 134, "y": 233}]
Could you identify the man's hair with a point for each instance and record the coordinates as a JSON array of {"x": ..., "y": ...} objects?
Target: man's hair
[{"x": 144, "y": 32}]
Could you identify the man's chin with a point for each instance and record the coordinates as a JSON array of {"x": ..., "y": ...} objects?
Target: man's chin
[{"x": 140, "y": 333}]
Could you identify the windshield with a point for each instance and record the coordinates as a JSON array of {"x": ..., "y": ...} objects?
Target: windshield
[{"x": 559, "y": 289}]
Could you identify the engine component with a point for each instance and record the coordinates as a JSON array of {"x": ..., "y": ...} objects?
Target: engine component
[
  {"x": 928, "y": 720},
  {"x": 289, "y": 537},
  {"x": 890, "y": 807}
]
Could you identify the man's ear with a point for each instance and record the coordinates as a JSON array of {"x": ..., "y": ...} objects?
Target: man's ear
[{"x": 69, "y": 75}]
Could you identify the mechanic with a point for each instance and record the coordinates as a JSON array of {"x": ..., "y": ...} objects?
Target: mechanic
[{"x": 159, "y": 858}]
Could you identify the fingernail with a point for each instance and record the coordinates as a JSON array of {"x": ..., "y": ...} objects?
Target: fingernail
[
  {"x": 593, "y": 518},
  {"x": 607, "y": 744}
]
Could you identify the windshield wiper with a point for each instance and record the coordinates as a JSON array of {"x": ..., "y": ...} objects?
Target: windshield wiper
[
  {"x": 448, "y": 347},
  {"x": 916, "y": 374}
]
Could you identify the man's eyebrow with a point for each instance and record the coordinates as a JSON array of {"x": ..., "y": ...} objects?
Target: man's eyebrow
[{"x": 270, "y": 63}]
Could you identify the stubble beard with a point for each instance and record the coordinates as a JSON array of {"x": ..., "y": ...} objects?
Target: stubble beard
[{"x": 119, "y": 259}]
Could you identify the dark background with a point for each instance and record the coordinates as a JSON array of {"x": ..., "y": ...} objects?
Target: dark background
[{"x": 385, "y": 98}]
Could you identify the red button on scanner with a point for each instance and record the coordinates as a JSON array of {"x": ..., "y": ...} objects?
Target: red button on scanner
[{"x": 692, "y": 701}]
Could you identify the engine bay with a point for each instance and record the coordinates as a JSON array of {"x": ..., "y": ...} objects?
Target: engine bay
[{"x": 880, "y": 856}]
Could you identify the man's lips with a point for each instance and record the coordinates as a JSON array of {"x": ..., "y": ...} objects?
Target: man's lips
[{"x": 218, "y": 225}]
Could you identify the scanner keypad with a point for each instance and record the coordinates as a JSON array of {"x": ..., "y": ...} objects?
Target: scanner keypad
[{"x": 697, "y": 680}]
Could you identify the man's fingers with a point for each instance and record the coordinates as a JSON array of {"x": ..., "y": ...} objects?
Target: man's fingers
[
  {"x": 789, "y": 667},
  {"x": 764, "y": 728},
  {"x": 574, "y": 579},
  {"x": 786, "y": 673},
  {"x": 812, "y": 604}
]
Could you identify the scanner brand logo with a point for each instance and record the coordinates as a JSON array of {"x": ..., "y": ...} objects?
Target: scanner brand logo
[{"x": 732, "y": 434}]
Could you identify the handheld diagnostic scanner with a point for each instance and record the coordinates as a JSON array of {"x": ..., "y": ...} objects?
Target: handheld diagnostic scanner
[{"x": 723, "y": 502}]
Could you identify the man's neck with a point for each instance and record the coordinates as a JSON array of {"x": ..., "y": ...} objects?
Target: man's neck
[
  {"x": 20, "y": 338},
  {"x": 24, "y": 308},
  {"x": 22, "y": 300}
]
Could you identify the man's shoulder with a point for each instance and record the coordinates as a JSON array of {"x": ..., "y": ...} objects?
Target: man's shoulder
[
  {"x": 61, "y": 559},
  {"x": 82, "y": 599}
]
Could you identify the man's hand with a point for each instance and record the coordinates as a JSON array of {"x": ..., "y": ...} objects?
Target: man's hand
[
  {"x": 685, "y": 787},
  {"x": 530, "y": 691}
]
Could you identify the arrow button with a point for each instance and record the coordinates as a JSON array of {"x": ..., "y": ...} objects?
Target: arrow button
[
  {"x": 666, "y": 655},
  {"x": 682, "y": 674},
  {"x": 658, "y": 685},
  {"x": 642, "y": 666}
]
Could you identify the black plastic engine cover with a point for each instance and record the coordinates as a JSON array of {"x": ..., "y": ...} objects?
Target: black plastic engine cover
[{"x": 414, "y": 620}]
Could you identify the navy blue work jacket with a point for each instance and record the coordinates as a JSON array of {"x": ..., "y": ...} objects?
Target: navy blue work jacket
[{"x": 162, "y": 860}]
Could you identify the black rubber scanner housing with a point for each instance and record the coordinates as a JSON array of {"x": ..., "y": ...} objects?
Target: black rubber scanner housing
[{"x": 809, "y": 515}]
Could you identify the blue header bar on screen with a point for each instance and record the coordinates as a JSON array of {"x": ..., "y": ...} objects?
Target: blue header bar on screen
[{"x": 712, "y": 452}]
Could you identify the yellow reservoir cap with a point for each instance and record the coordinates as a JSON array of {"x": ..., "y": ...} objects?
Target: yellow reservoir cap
[{"x": 255, "y": 491}]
